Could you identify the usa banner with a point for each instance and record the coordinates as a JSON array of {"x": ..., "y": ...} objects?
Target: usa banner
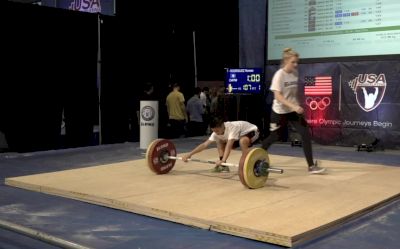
[
  {"x": 105, "y": 7},
  {"x": 320, "y": 92},
  {"x": 370, "y": 102},
  {"x": 351, "y": 103}
]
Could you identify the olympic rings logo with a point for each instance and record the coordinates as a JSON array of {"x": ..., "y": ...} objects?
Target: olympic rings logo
[{"x": 318, "y": 103}]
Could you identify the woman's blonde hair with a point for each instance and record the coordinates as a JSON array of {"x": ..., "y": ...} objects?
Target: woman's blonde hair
[{"x": 288, "y": 53}]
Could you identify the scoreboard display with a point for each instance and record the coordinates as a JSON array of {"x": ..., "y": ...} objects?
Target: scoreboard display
[{"x": 243, "y": 80}]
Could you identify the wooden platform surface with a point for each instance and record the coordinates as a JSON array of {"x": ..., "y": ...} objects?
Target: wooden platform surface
[{"x": 291, "y": 208}]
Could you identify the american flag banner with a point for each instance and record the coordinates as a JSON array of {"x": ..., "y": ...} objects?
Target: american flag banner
[{"x": 318, "y": 85}]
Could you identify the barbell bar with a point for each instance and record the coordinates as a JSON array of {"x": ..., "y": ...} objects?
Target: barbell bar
[
  {"x": 253, "y": 166},
  {"x": 269, "y": 169}
]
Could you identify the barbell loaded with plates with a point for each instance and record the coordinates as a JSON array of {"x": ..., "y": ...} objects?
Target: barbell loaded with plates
[{"x": 253, "y": 166}]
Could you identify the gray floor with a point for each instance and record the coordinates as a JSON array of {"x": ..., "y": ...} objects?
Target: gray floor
[{"x": 101, "y": 227}]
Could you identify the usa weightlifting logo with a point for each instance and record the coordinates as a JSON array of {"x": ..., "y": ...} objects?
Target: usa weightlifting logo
[
  {"x": 91, "y": 6},
  {"x": 369, "y": 90},
  {"x": 148, "y": 113}
]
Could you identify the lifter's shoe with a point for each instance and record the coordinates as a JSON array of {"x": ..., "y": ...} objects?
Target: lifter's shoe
[
  {"x": 315, "y": 169},
  {"x": 220, "y": 168}
]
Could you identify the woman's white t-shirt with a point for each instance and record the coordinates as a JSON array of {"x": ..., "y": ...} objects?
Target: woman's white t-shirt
[
  {"x": 234, "y": 130},
  {"x": 286, "y": 84}
]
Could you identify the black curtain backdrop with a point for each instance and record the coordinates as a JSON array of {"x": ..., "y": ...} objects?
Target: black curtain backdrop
[
  {"x": 167, "y": 31},
  {"x": 158, "y": 47},
  {"x": 49, "y": 64},
  {"x": 136, "y": 50},
  {"x": 252, "y": 33}
]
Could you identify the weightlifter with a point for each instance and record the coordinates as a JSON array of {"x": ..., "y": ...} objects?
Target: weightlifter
[{"x": 227, "y": 135}]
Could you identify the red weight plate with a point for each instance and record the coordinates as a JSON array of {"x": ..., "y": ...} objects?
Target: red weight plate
[{"x": 155, "y": 156}]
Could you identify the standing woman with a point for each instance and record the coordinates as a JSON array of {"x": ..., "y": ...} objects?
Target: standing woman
[{"x": 286, "y": 108}]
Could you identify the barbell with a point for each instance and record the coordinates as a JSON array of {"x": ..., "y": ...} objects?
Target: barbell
[{"x": 253, "y": 165}]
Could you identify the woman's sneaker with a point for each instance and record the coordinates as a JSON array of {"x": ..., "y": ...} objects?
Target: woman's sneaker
[{"x": 315, "y": 169}]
